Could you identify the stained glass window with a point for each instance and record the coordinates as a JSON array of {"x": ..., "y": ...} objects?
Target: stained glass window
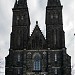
[{"x": 37, "y": 62}]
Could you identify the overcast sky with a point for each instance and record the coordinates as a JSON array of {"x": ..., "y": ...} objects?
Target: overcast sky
[{"x": 37, "y": 9}]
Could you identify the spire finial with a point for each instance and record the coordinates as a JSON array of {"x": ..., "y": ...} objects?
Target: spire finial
[{"x": 36, "y": 22}]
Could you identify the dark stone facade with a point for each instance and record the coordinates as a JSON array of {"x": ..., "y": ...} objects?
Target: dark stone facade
[{"x": 35, "y": 55}]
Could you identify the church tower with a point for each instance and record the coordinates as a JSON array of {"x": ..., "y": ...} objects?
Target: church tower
[
  {"x": 19, "y": 38},
  {"x": 21, "y": 25},
  {"x": 35, "y": 55},
  {"x": 54, "y": 25},
  {"x": 55, "y": 38}
]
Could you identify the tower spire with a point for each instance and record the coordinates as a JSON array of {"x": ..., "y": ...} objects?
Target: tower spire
[
  {"x": 21, "y": 23},
  {"x": 16, "y": 3},
  {"x": 53, "y": 3},
  {"x": 20, "y": 4},
  {"x": 54, "y": 25}
]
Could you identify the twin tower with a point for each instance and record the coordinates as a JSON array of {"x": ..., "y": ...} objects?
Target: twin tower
[{"x": 35, "y": 55}]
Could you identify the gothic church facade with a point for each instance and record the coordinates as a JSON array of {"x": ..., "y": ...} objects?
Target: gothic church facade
[{"x": 35, "y": 55}]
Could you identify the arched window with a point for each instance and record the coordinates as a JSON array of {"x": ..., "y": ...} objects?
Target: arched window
[
  {"x": 55, "y": 71},
  {"x": 55, "y": 57},
  {"x": 37, "y": 62},
  {"x": 19, "y": 57}
]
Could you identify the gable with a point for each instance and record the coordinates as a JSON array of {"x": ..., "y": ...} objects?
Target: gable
[{"x": 37, "y": 40}]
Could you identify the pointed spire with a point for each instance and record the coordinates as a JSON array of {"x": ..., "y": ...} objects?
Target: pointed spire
[
  {"x": 53, "y": 3},
  {"x": 20, "y": 4},
  {"x": 22, "y": 1},
  {"x": 37, "y": 29},
  {"x": 16, "y": 2}
]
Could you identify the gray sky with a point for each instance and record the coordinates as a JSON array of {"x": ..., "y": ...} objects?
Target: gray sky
[{"x": 37, "y": 9}]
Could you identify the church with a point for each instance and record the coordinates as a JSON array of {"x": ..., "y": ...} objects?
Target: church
[{"x": 34, "y": 54}]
